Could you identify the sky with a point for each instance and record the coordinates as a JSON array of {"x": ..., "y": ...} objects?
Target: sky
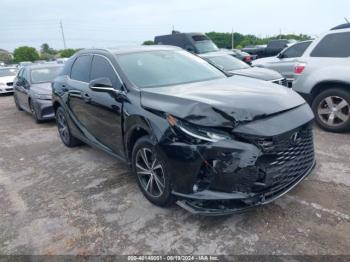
[{"x": 113, "y": 23}]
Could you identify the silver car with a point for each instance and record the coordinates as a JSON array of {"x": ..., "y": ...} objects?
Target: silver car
[
  {"x": 285, "y": 61},
  {"x": 323, "y": 78}
]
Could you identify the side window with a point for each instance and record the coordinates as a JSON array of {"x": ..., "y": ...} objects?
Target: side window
[
  {"x": 102, "y": 68},
  {"x": 296, "y": 50},
  {"x": 333, "y": 45},
  {"x": 81, "y": 68}
]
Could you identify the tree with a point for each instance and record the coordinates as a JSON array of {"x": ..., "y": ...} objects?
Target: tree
[
  {"x": 25, "y": 53},
  {"x": 5, "y": 57},
  {"x": 148, "y": 42},
  {"x": 46, "y": 49},
  {"x": 68, "y": 52}
]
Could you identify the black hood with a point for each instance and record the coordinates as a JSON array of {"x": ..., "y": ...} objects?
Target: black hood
[
  {"x": 221, "y": 103},
  {"x": 258, "y": 73}
]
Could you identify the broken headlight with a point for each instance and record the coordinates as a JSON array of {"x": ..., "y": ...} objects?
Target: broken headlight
[{"x": 196, "y": 132}]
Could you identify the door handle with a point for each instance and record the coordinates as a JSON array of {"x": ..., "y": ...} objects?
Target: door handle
[{"x": 87, "y": 98}]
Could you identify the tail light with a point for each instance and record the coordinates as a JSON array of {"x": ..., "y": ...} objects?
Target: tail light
[
  {"x": 299, "y": 68},
  {"x": 247, "y": 59}
]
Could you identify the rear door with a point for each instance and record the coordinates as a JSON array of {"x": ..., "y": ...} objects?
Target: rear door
[{"x": 103, "y": 109}]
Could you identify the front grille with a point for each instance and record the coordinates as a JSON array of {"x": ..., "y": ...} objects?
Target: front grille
[
  {"x": 281, "y": 81},
  {"x": 285, "y": 159}
]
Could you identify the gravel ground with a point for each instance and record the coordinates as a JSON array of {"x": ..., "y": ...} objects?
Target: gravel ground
[{"x": 56, "y": 200}]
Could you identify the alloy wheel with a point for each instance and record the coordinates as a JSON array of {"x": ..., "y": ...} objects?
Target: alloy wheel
[
  {"x": 150, "y": 172},
  {"x": 62, "y": 127},
  {"x": 333, "y": 111}
]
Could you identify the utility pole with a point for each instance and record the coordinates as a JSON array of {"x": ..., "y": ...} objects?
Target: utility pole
[
  {"x": 233, "y": 39},
  {"x": 63, "y": 38}
]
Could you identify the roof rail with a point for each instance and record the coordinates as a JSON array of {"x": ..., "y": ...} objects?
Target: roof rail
[{"x": 342, "y": 26}]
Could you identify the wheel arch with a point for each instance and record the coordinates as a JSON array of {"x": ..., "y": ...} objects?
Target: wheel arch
[{"x": 327, "y": 84}]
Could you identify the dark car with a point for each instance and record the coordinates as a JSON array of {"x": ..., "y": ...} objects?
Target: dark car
[
  {"x": 33, "y": 92},
  {"x": 273, "y": 48},
  {"x": 215, "y": 144},
  {"x": 197, "y": 43},
  {"x": 232, "y": 66}
]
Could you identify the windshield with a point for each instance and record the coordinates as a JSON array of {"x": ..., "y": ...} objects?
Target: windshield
[
  {"x": 205, "y": 46},
  {"x": 8, "y": 72},
  {"x": 227, "y": 62},
  {"x": 166, "y": 67},
  {"x": 42, "y": 75}
]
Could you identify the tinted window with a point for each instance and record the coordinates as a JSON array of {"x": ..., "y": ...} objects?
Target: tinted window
[
  {"x": 162, "y": 68},
  {"x": 44, "y": 75},
  {"x": 200, "y": 38},
  {"x": 296, "y": 50},
  {"x": 333, "y": 45},
  {"x": 100, "y": 67},
  {"x": 81, "y": 68},
  {"x": 205, "y": 46}
]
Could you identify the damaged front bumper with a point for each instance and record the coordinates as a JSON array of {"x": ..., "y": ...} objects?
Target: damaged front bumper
[
  {"x": 231, "y": 176},
  {"x": 213, "y": 203}
]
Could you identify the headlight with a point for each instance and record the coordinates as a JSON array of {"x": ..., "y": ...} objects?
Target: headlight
[
  {"x": 43, "y": 96},
  {"x": 195, "y": 131}
]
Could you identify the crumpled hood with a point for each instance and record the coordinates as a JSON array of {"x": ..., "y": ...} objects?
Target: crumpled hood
[
  {"x": 259, "y": 73},
  {"x": 42, "y": 88},
  {"x": 221, "y": 103},
  {"x": 7, "y": 79}
]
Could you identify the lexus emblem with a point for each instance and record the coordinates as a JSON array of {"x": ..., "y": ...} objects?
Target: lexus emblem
[{"x": 295, "y": 138}]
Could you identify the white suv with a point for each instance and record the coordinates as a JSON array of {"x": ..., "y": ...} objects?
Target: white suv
[{"x": 323, "y": 78}]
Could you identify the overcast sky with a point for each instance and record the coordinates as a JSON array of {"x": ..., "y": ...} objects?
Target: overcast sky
[{"x": 110, "y": 23}]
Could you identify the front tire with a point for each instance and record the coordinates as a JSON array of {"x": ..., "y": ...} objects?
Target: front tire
[
  {"x": 332, "y": 110},
  {"x": 34, "y": 113},
  {"x": 152, "y": 174},
  {"x": 19, "y": 108},
  {"x": 63, "y": 129}
]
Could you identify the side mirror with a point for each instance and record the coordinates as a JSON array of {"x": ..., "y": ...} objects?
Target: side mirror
[
  {"x": 280, "y": 55},
  {"x": 103, "y": 84}
]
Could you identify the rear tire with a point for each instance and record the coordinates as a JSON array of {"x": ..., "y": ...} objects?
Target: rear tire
[
  {"x": 63, "y": 129},
  {"x": 332, "y": 110},
  {"x": 151, "y": 172}
]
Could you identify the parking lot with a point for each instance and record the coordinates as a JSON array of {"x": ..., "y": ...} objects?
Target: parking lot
[{"x": 57, "y": 200}]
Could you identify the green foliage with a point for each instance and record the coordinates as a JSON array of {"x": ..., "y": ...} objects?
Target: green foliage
[
  {"x": 148, "y": 42},
  {"x": 25, "y": 53},
  {"x": 5, "y": 57},
  {"x": 224, "y": 40},
  {"x": 46, "y": 49},
  {"x": 65, "y": 53}
]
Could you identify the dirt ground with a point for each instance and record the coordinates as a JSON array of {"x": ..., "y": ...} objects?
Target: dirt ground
[{"x": 56, "y": 200}]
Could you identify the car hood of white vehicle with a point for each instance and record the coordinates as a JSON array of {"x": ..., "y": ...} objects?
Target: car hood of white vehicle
[{"x": 265, "y": 60}]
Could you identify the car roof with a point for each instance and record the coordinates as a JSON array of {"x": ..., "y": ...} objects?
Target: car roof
[
  {"x": 136, "y": 49},
  {"x": 8, "y": 67}
]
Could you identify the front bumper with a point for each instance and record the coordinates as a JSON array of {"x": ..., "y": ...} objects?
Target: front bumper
[
  {"x": 44, "y": 109},
  {"x": 212, "y": 203},
  {"x": 231, "y": 176}
]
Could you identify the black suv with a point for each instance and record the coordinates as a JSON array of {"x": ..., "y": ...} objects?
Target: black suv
[{"x": 214, "y": 144}]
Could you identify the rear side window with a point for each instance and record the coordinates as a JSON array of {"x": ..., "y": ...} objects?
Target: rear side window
[
  {"x": 296, "y": 50},
  {"x": 81, "y": 68},
  {"x": 101, "y": 67},
  {"x": 333, "y": 45},
  {"x": 200, "y": 38}
]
